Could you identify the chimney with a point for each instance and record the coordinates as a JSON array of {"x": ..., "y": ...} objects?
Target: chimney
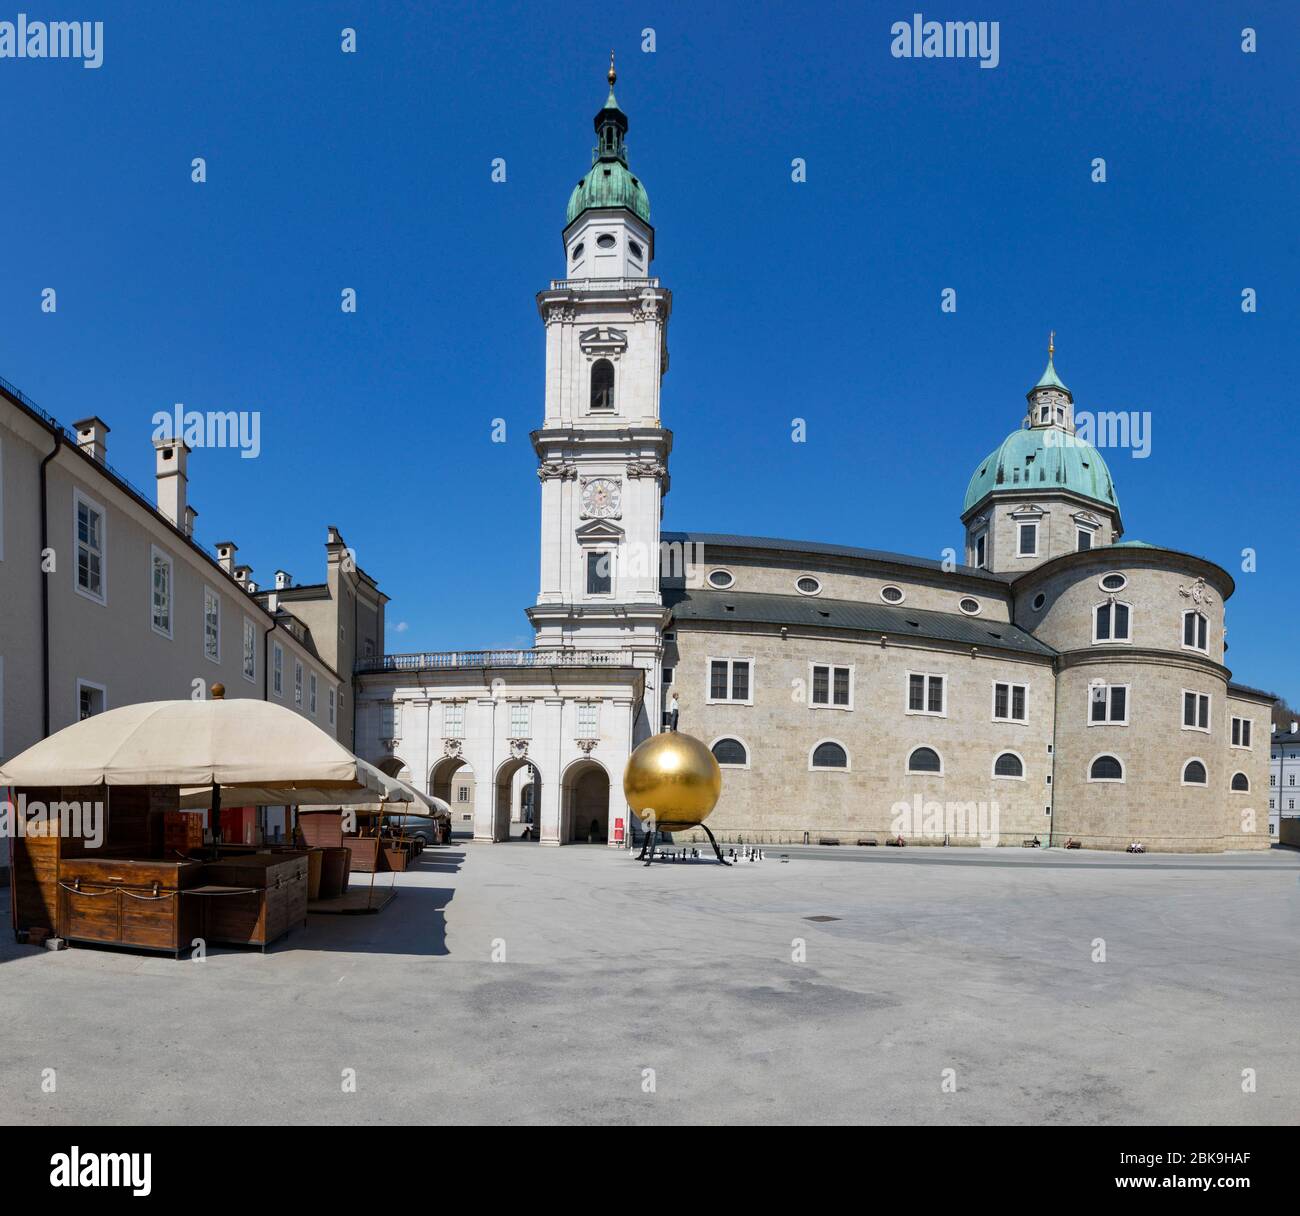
[
  {"x": 226, "y": 550},
  {"x": 283, "y": 579},
  {"x": 172, "y": 480},
  {"x": 241, "y": 575},
  {"x": 251, "y": 587},
  {"x": 91, "y": 434},
  {"x": 190, "y": 516}
]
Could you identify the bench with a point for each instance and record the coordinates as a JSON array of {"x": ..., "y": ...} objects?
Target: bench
[
  {"x": 868, "y": 840},
  {"x": 828, "y": 840}
]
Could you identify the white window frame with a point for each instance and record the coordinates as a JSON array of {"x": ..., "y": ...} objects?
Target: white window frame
[
  {"x": 1011, "y": 686},
  {"x": 832, "y": 668},
  {"x": 1199, "y": 785},
  {"x": 1183, "y": 631},
  {"x": 1079, "y": 533},
  {"x": 884, "y": 599},
  {"x": 979, "y": 550},
  {"x": 817, "y": 589},
  {"x": 524, "y": 710},
  {"x": 1249, "y": 730},
  {"x": 277, "y": 669},
  {"x": 727, "y": 586},
  {"x": 909, "y": 771},
  {"x": 333, "y": 705},
  {"x": 993, "y": 768},
  {"x": 250, "y": 630},
  {"x": 1112, "y": 640},
  {"x": 216, "y": 596},
  {"x": 599, "y": 551},
  {"x": 102, "y": 689},
  {"x": 730, "y": 661},
  {"x": 821, "y": 768},
  {"x": 1021, "y": 525},
  {"x": 1122, "y": 779},
  {"x": 1242, "y": 773},
  {"x": 156, "y": 554},
  {"x": 1208, "y": 728},
  {"x": 78, "y": 498},
  {"x": 453, "y": 720},
  {"x": 297, "y": 683},
  {"x": 311, "y": 693},
  {"x": 925, "y": 695},
  {"x": 1128, "y": 705},
  {"x": 591, "y": 710},
  {"x": 744, "y": 743}
]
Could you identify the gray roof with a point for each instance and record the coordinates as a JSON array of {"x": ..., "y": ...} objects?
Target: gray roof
[
  {"x": 1246, "y": 690},
  {"x": 725, "y": 540},
  {"x": 758, "y": 608}
]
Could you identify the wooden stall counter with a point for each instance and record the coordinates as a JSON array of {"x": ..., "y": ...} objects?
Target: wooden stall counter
[
  {"x": 125, "y": 902},
  {"x": 251, "y": 900}
]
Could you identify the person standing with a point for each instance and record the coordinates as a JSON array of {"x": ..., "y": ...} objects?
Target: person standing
[{"x": 673, "y": 709}]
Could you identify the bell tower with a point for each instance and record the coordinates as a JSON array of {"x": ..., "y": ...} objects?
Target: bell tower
[{"x": 602, "y": 449}]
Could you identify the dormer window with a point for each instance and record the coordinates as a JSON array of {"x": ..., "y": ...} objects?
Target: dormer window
[{"x": 602, "y": 386}]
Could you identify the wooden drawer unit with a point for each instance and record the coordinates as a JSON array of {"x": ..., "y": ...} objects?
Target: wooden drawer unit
[
  {"x": 122, "y": 902},
  {"x": 253, "y": 900}
]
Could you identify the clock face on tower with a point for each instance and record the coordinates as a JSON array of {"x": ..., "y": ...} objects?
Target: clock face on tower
[{"x": 601, "y": 498}]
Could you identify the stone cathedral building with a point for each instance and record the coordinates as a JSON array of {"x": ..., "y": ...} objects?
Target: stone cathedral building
[{"x": 1063, "y": 683}]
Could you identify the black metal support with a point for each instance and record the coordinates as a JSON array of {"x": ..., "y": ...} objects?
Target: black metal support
[
  {"x": 651, "y": 858},
  {"x": 714, "y": 843}
]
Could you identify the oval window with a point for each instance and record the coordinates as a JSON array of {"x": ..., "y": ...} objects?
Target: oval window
[
  {"x": 1039, "y": 600},
  {"x": 578, "y": 250},
  {"x": 636, "y": 250},
  {"x": 807, "y": 585},
  {"x": 722, "y": 579},
  {"x": 891, "y": 595},
  {"x": 969, "y": 606},
  {"x": 1113, "y": 582},
  {"x": 605, "y": 241}
]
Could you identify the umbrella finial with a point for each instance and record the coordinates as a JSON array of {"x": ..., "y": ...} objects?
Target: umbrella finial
[{"x": 218, "y": 692}]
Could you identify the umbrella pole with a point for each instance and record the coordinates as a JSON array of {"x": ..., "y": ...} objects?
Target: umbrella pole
[{"x": 216, "y": 820}]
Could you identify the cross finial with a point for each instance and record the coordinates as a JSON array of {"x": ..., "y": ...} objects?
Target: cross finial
[
  {"x": 613, "y": 75},
  {"x": 1051, "y": 344}
]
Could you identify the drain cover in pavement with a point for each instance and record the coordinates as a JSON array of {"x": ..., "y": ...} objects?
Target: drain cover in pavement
[{"x": 821, "y": 918}]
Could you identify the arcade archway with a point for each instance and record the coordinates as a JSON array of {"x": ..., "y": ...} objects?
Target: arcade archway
[
  {"x": 518, "y": 800},
  {"x": 584, "y": 795}
]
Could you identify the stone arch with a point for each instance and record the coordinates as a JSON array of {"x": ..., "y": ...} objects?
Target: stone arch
[
  {"x": 507, "y": 792},
  {"x": 447, "y": 777},
  {"x": 584, "y": 803}
]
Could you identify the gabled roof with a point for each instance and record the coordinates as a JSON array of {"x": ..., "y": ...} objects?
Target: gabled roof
[{"x": 801, "y": 610}]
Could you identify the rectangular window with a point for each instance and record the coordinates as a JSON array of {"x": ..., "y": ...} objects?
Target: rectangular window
[
  {"x": 1108, "y": 705},
  {"x": 297, "y": 683},
  {"x": 1111, "y": 623},
  {"x": 981, "y": 548},
  {"x": 1084, "y": 540},
  {"x": 1028, "y": 540},
  {"x": 729, "y": 680},
  {"x": 92, "y": 699},
  {"x": 160, "y": 592},
  {"x": 250, "y": 650},
  {"x": 211, "y": 624},
  {"x": 462, "y": 794},
  {"x": 453, "y": 721},
  {"x": 1010, "y": 702},
  {"x": 277, "y": 670},
  {"x": 1195, "y": 631},
  {"x": 519, "y": 720},
  {"x": 925, "y": 693},
  {"x": 90, "y": 548},
  {"x": 1241, "y": 732},
  {"x": 587, "y": 720},
  {"x": 600, "y": 578},
  {"x": 390, "y": 721},
  {"x": 311, "y": 693},
  {"x": 832, "y": 686},
  {"x": 668, "y": 677},
  {"x": 333, "y": 704},
  {"x": 1196, "y": 711}
]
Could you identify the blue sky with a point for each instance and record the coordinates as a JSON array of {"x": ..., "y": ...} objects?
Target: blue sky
[{"x": 819, "y": 299}]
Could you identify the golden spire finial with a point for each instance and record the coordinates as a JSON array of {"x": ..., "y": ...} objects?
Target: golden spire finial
[
  {"x": 613, "y": 75},
  {"x": 1051, "y": 345}
]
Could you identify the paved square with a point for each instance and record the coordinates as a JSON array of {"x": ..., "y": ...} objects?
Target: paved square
[{"x": 974, "y": 960}]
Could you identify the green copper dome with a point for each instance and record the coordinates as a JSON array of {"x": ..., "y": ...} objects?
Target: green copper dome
[
  {"x": 1043, "y": 458},
  {"x": 609, "y": 182}
]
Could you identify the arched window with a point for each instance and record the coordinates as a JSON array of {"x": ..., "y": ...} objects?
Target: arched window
[
  {"x": 829, "y": 755},
  {"x": 1106, "y": 768},
  {"x": 1241, "y": 783},
  {"x": 730, "y": 751},
  {"x": 1194, "y": 773},
  {"x": 602, "y": 385},
  {"x": 1008, "y": 765},
  {"x": 1110, "y": 622},
  {"x": 924, "y": 760}
]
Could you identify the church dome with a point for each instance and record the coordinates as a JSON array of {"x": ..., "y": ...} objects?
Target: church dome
[
  {"x": 1043, "y": 459},
  {"x": 609, "y": 183}
]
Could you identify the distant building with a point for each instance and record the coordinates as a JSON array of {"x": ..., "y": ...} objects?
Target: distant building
[{"x": 1284, "y": 783}]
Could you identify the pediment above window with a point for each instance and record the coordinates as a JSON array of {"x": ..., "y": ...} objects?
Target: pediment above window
[
  {"x": 1086, "y": 519},
  {"x": 1030, "y": 510},
  {"x": 603, "y": 340},
  {"x": 599, "y": 532}
]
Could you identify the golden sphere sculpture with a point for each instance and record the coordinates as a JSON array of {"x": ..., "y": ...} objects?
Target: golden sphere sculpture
[{"x": 674, "y": 776}]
